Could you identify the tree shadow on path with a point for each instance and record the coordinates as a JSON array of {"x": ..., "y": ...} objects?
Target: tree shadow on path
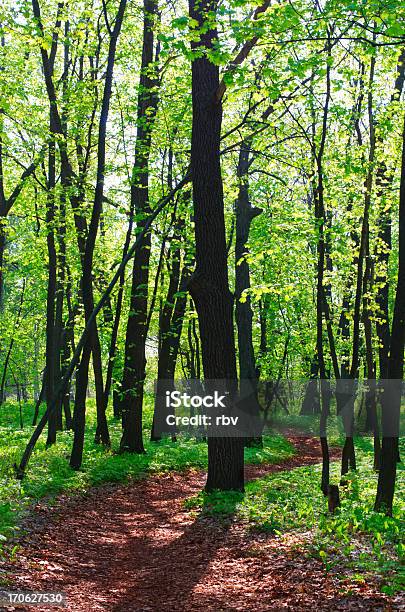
[{"x": 135, "y": 548}]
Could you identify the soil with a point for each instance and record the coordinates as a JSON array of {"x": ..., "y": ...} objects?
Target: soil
[{"x": 135, "y": 548}]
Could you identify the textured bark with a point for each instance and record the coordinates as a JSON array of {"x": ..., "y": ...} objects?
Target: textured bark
[
  {"x": 209, "y": 285},
  {"x": 132, "y": 386}
]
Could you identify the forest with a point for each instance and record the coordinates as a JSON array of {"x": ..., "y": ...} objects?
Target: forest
[{"x": 202, "y": 200}]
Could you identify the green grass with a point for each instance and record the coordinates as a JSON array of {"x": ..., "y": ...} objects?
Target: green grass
[
  {"x": 355, "y": 538},
  {"x": 49, "y": 473}
]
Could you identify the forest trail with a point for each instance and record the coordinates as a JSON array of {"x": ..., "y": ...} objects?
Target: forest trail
[{"x": 134, "y": 548}]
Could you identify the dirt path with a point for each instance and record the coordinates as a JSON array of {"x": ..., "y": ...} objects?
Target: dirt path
[{"x": 134, "y": 548}]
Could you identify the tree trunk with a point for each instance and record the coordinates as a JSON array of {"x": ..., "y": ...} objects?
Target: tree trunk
[
  {"x": 311, "y": 403},
  {"x": 170, "y": 326},
  {"x": 39, "y": 400},
  {"x": 10, "y": 348},
  {"x": 371, "y": 393},
  {"x": 51, "y": 356},
  {"x": 391, "y": 402},
  {"x": 209, "y": 285},
  {"x": 2, "y": 250},
  {"x": 384, "y": 182},
  {"x": 132, "y": 386},
  {"x": 245, "y": 213},
  {"x": 79, "y": 415},
  {"x": 348, "y": 453},
  {"x": 320, "y": 216},
  {"x": 164, "y": 343},
  {"x": 93, "y": 343}
]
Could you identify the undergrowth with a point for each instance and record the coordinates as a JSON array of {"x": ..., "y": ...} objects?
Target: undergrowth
[
  {"x": 355, "y": 539},
  {"x": 49, "y": 474}
]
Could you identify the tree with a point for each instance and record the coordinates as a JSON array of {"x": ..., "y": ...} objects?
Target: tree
[
  {"x": 209, "y": 285},
  {"x": 392, "y": 396},
  {"x": 87, "y": 284},
  {"x": 135, "y": 361}
]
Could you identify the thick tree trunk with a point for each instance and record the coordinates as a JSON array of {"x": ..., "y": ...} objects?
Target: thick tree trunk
[{"x": 209, "y": 285}]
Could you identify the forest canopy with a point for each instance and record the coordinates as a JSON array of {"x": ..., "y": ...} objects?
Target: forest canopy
[{"x": 203, "y": 191}]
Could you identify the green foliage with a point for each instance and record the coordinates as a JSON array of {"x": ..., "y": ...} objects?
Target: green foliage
[
  {"x": 274, "y": 101},
  {"x": 354, "y": 539},
  {"x": 50, "y": 474}
]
